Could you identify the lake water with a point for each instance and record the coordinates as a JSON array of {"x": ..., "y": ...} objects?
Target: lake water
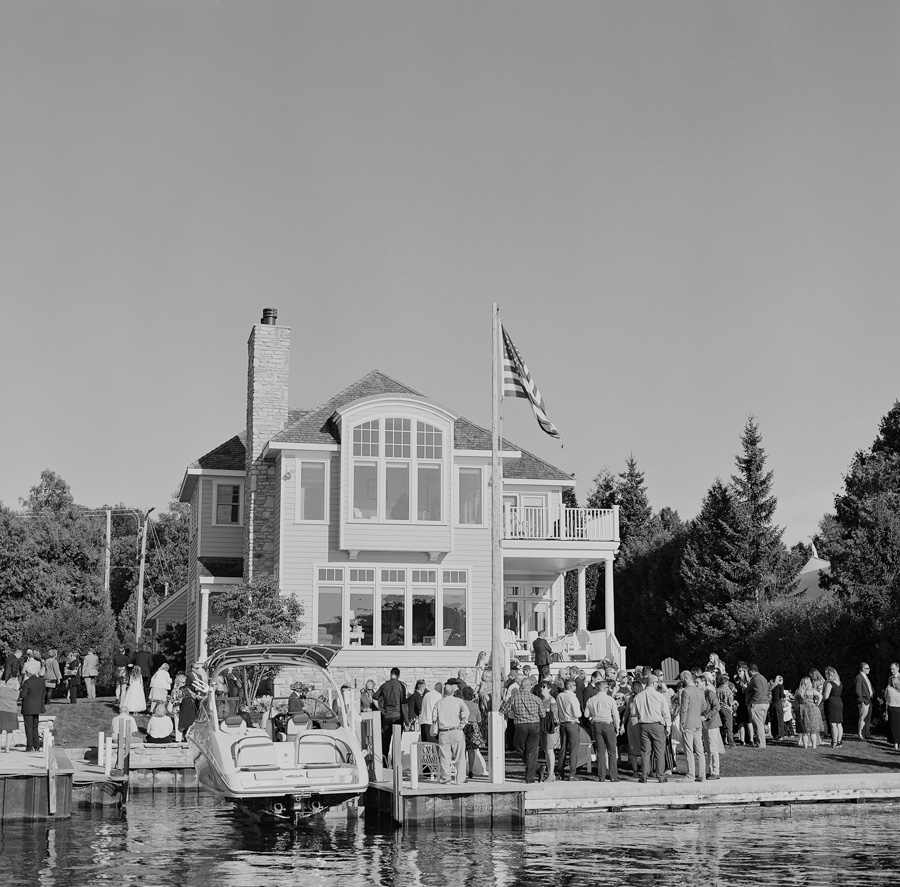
[{"x": 199, "y": 841}]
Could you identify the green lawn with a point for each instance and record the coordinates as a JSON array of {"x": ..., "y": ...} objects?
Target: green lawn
[{"x": 77, "y": 725}]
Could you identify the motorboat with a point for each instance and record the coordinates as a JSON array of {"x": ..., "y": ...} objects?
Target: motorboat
[{"x": 293, "y": 757}]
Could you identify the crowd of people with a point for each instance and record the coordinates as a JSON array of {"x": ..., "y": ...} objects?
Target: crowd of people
[
  {"x": 32, "y": 679},
  {"x": 635, "y": 722}
]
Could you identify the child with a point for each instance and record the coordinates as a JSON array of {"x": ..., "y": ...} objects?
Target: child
[{"x": 788, "y": 709}]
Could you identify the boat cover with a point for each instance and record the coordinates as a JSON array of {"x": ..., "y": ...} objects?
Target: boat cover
[{"x": 269, "y": 654}]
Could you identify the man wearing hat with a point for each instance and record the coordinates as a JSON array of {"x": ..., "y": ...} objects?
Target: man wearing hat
[{"x": 298, "y": 695}]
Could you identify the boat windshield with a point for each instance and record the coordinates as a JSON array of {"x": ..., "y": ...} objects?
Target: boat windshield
[{"x": 302, "y": 688}]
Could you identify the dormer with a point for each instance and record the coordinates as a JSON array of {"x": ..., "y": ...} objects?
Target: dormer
[{"x": 396, "y": 477}]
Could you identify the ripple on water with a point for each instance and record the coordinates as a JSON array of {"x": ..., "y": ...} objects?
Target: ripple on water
[{"x": 194, "y": 842}]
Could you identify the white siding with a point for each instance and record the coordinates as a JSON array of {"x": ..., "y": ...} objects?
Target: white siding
[{"x": 216, "y": 540}]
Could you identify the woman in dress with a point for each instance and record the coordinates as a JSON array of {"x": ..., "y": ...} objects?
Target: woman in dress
[
  {"x": 834, "y": 706},
  {"x": 742, "y": 716},
  {"x": 633, "y": 728},
  {"x": 549, "y": 741},
  {"x": 160, "y": 727},
  {"x": 72, "y": 676},
  {"x": 472, "y": 730},
  {"x": 810, "y": 719},
  {"x": 725, "y": 695},
  {"x": 818, "y": 683},
  {"x": 160, "y": 684},
  {"x": 892, "y": 701},
  {"x": 9, "y": 718},
  {"x": 135, "y": 700}
]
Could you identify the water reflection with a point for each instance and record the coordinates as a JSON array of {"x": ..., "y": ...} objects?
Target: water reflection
[{"x": 199, "y": 842}]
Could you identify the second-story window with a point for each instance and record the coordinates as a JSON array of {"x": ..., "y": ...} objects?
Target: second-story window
[
  {"x": 228, "y": 504},
  {"x": 392, "y": 479}
]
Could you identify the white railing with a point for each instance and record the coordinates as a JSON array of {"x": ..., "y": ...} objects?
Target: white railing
[{"x": 570, "y": 524}]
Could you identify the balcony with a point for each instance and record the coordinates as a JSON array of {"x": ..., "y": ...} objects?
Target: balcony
[{"x": 563, "y": 524}]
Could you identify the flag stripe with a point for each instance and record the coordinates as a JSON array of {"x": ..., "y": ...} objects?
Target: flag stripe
[{"x": 517, "y": 382}]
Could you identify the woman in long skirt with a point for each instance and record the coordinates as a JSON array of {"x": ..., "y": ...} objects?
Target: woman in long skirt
[{"x": 134, "y": 700}]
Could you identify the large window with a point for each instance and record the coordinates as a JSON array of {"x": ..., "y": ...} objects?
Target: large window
[
  {"x": 312, "y": 491},
  {"x": 470, "y": 496},
  {"x": 392, "y": 607},
  {"x": 227, "y": 505},
  {"x": 330, "y": 616},
  {"x": 394, "y": 480}
]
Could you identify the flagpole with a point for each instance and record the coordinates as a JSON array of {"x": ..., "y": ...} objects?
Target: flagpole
[{"x": 498, "y": 658}]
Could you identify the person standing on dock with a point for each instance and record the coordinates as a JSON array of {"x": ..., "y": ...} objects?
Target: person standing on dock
[
  {"x": 691, "y": 705},
  {"x": 390, "y": 697},
  {"x": 603, "y": 713},
  {"x": 524, "y": 709},
  {"x": 32, "y": 708},
  {"x": 448, "y": 719},
  {"x": 654, "y": 718},
  {"x": 758, "y": 700},
  {"x": 569, "y": 733},
  {"x": 864, "y": 699},
  {"x": 90, "y": 668}
]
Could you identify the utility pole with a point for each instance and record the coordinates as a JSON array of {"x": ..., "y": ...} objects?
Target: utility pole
[
  {"x": 139, "y": 615},
  {"x": 108, "y": 555}
]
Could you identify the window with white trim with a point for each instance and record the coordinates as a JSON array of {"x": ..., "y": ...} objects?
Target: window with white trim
[
  {"x": 313, "y": 494},
  {"x": 383, "y": 607},
  {"x": 227, "y": 502},
  {"x": 393, "y": 481},
  {"x": 470, "y": 496}
]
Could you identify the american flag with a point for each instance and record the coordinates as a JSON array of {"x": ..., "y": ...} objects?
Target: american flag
[{"x": 517, "y": 382}]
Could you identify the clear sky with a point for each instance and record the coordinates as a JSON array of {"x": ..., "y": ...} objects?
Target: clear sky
[{"x": 688, "y": 212}]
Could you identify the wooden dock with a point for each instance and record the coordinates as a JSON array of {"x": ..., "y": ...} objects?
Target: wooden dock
[
  {"x": 31, "y": 790},
  {"x": 478, "y": 803}
]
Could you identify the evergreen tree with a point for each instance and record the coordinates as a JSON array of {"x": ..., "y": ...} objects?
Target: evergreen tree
[
  {"x": 768, "y": 569},
  {"x": 712, "y": 604},
  {"x": 863, "y": 538}
]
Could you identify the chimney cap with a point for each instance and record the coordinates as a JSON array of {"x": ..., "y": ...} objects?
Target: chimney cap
[{"x": 270, "y": 316}]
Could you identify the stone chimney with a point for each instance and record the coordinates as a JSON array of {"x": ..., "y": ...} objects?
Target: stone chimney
[{"x": 267, "y": 413}]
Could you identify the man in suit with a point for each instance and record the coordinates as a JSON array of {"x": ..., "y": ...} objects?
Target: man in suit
[
  {"x": 32, "y": 708},
  {"x": 543, "y": 655},
  {"x": 12, "y": 666},
  {"x": 90, "y": 668},
  {"x": 864, "y": 698}
]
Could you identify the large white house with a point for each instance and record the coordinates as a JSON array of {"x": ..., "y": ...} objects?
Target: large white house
[{"x": 373, "y": 510}]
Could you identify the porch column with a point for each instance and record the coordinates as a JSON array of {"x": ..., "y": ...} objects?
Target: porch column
[
  {"x": 609, "y": 599},
  {"x": 204, "y": 621},
  {"x": 582, "y": 599}
]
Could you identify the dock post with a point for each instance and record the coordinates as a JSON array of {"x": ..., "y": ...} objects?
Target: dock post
[
  {"x": 101, "y": 748},
  {"x": 397, "y": 767},
  {"x": 497, "y": 747},
  {"x": 107, "y": 760}
]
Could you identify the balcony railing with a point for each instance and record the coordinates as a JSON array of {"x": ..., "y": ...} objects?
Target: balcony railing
[{"x": 568, "y": 524}]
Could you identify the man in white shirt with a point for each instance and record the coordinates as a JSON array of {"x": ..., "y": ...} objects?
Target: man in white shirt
[
  {"x": 90, "y": 668},
  {"x": 655, "y": 718},
  {"x": 449, "y": 716},
  {"x": 603, "y": 713},
  {"x": 429, "y": 701},
  {"x": 569, "y": 733}
]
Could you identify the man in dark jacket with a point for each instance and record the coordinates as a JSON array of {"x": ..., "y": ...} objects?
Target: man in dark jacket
[
  {"x": 390, "y": 697},
  {"x": 12, "y": 667},
  {"x": 32, "y": 708},
  {"x": 143, "y": 660},
  {"x": 758, "y": 700},
  {"x": 543, "y": 654}
]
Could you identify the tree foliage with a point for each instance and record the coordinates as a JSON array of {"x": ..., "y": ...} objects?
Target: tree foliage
[{"x": 254, "y": 613}]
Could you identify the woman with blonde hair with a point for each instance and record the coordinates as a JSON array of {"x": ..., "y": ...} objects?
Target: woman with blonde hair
[
  {"x": 892, "y": 701},
  {"x": 810, "y": 719},
  {"x": 834, "y": 706}
]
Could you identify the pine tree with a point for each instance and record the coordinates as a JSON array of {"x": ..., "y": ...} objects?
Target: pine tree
[{"x": 768, "y": 569}]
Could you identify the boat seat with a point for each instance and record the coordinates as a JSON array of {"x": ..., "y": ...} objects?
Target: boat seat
[
  {"x": 255, "y": 753},
  {"x": 314, "y": 749},
  {"x": 299, "y": 721},
  {"x": 233, "y": 724}
]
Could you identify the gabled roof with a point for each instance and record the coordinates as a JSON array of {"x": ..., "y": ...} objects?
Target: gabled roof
[{"x": 315, "y": 427}]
